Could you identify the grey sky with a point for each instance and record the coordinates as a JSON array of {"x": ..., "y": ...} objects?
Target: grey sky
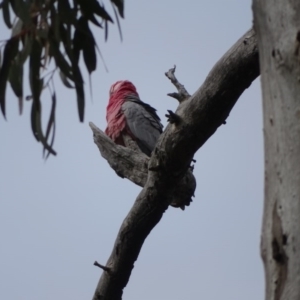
[{"x": 58, "y": 217}]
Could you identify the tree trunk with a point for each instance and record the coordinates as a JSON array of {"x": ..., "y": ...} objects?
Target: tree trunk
[{"x": 277, "y": 24}]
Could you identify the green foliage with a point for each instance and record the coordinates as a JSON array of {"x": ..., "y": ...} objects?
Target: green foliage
[{"x": 46, "y": 29}]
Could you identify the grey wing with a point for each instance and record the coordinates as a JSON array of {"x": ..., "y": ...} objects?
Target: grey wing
[{"x": 143, "y": 123}]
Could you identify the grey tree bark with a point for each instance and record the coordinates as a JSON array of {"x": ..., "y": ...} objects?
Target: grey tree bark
[
  {"x": 194, "y": 122},
  {"x": 277, "y": 24}
]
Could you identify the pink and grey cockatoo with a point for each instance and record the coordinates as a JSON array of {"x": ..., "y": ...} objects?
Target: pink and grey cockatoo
[
  {"x": 129, "y": 118},
  {"x": 135, "y": 124}
]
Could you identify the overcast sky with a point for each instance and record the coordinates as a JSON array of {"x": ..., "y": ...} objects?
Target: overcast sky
[{"x": 57, "y": 217}]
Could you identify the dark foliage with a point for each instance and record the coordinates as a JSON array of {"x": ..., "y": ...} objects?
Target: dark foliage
[{"x": 46, "y": 30}]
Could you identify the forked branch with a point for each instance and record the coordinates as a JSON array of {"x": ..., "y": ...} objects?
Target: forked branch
[
  {"x": 134, "y": 166},
  {"x": 200, "y": 116}
]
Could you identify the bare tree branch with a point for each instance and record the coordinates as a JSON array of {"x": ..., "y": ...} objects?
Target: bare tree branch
[
  {"x": 133, "y": 165},
  {"x": 126, "y": 163},
  {"x": 200, "y": 116},
  {"x": 182, "y": 92},
  {"x": 104, "y": 268}
]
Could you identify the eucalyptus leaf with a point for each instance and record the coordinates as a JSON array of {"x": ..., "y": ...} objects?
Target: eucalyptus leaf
[
  {"x": 65, "y": 12},
  {"x": 16, "y": 79},
  {"x": 79, "y": 91},
  {"x": 65, "y": 34},
  {"x": 91, "y": 7},
  {"x": 10, "y": 51},
  {"x": 6, "y": 13},
  {"x": 65, "y": 80},
  {"x": 22, "y": 10},
  {"x": 120, "y": 5},
  {"x": 39, "y": 131},
  {"x": 17, "y": 28},
  {"x": 27, "y": 45},
  {"x": 89, "y": 50},
  {"x": 118, "y": 23},
  {"x": 35, "y": 85},
  {"x": 51, "y": 125},
  {"x": 60, "y": 60}
]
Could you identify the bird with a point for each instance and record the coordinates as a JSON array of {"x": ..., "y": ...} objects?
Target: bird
[
  {"x": 130, "y": 121},
  {"x": 135, "y": 124}
]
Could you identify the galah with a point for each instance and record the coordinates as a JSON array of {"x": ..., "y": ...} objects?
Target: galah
[
  {"x": 128, "y": 116},
  {"x": 130, "y": 119}
]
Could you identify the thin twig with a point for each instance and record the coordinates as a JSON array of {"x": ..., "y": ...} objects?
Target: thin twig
[
  {"x": 101, "y": 266},
  {"x": 182, "y": 94}
]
